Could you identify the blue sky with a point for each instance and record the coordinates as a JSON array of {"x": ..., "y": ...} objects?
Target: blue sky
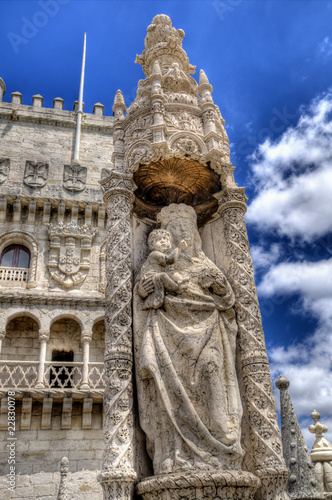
[{"x": 270, "y": 63}]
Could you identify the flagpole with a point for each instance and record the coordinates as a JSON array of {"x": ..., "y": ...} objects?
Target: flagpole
[{"x": 80, "y": 108}]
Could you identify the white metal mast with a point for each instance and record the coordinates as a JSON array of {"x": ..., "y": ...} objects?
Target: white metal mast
[{"x": 80, "y": 109}]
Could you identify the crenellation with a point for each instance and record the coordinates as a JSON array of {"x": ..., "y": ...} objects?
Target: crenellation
[
  {"x": 98, "y": 109},
  {"x": 58, "y": 103},
  {"x": 16, "y": 98},
  {"x": 37, "y": 101}
]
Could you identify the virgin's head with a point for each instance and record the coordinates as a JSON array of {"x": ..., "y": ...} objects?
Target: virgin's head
[{"x": 181, "y": 221}]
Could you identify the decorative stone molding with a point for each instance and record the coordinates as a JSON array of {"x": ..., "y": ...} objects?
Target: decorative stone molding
[
  {"x": 35, "y": 174},
  {"x": 22, "y": 238},
  {"x": 70, "y": 248},
  {"x": 4, "y": 169},
  {"x": 302, "y": 483},
  {"x": 207, "y": 485},
  {"x": 264, "y": 450},
  {"x": 321, "y": 455}
]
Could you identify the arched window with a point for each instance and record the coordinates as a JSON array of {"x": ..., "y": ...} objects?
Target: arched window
[{"x": 15, "y": 256}]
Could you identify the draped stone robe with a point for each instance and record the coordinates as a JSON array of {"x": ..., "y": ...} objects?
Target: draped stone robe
[{"x": 188, "y": 395}]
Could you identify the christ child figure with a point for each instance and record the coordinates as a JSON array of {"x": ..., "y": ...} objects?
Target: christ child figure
[{"x": 155, "y": 268}]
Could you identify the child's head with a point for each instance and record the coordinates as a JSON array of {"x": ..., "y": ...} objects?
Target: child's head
[{"x": 160, "y": 240}]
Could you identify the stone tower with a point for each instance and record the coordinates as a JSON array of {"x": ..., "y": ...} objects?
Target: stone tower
[
  {"x": 52, "y": 282},
  {"x": 171, "y": 168}
]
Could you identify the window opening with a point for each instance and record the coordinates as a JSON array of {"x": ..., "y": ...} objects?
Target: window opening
[
  {"x": 15, "y": 256},
  {"x": 60, "y": 376}
]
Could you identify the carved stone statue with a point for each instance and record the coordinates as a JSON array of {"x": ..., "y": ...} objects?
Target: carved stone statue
[{"x": 188, "y": 395}]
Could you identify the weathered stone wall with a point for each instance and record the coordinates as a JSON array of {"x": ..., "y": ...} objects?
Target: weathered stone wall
[
  {"x": 39, "y": 452},
  {"x": 21, "y": 340},
  {"x": 42, "y": 190}
]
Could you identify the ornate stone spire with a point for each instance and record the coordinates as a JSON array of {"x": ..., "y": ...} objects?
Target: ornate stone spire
[
  {"x": 165, "y": 43},
  {"x": 302, "y": 483},
  {"x": 2, "y": 88},
  {"x": 119, "y": 106},
  {"x": 204, "y": 83},
  {"x": 174, "y": 139},
  {"x": 321, "y": 454}
]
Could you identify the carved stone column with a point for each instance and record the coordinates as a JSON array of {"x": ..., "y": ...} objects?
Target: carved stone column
[
  {"x": 118, "y": 475},
  {"x": 265, "y": 440},
  {"x": 43, "y": 338},
  {"x": 85, "y": 339},
  {"x": 2, "y": 336}
]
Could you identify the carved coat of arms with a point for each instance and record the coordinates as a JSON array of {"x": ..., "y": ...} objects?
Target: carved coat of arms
[
  {"x": 74, "y": 177},
  {"x": 4, "y": 169},
  {"x": 70, "y": 248},
  {"x": 35, "y": 174}
]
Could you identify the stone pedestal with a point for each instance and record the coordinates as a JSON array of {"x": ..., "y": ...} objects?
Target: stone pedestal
[{"x": 207, "y": 485}]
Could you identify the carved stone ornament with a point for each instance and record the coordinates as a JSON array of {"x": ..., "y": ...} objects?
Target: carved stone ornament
[
  {"x": 4, "y": 169},
  {"x": 74, "y": 177},
  {"x": 206, "y": 485},
  {"x": 321, "y": 454},
  {"x": 70, "y": 248},
  {"x": 263, "y": 440},
  {"x": 35, "y": 174}
]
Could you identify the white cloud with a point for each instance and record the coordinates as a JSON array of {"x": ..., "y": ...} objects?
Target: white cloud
[
  {"x": 325, "y": 47},
  {"x": 313, "y": 280},
  {"x": 308, "y": 363},
  {"x": 262, "y": 258},
  {"x": 293, "y": 176}
]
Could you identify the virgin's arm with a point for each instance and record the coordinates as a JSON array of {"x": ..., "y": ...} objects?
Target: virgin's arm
[{"x": 145, "y": 286}]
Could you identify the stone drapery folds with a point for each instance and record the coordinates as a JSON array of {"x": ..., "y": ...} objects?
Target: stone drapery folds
[{"x": 189, "y": 402}]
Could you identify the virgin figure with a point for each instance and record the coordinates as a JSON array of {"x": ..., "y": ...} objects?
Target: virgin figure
[{"x": 185, "y": 345}]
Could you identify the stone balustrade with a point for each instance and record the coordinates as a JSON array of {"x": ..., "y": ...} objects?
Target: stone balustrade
[
  {"x": 56, "y": 375},
  {"x": 15, "y": 274}
]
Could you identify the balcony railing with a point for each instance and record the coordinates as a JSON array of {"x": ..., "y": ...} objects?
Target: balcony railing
[
  {"x": 57, "y": 375},
  {"x": 14, "y": 274}
]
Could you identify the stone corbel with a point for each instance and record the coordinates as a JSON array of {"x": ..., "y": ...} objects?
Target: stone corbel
[
  {"x": 67, "y": 407},
  {"x": 46, "y": 420},
  {"x": 4, "y": 414},
  {"x": 87, "y": 413},
  {"x": 26, "y": 414}
]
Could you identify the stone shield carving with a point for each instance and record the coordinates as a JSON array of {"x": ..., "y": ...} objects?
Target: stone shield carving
[
  {"x": 74, "y": 177},
  {"x": 35, "y": 174},
  {"x": 4, "y": 169},
  {"x": 70, "y": 248}
]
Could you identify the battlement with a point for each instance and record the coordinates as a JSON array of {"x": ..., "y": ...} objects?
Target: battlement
[{"x": 36, "y": 113}]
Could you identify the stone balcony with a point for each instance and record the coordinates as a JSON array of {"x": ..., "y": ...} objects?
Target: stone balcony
[
  {"x": 13, "y": 275},
  {"x": 57, "y": 376}
]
